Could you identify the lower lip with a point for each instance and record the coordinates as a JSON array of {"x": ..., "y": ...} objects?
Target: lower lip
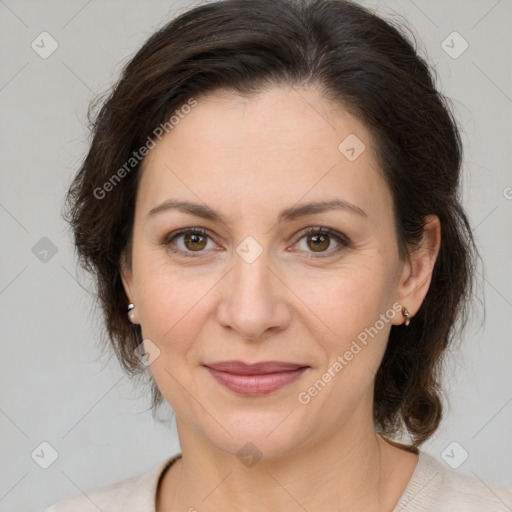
[{"x": 256, "y": 385}]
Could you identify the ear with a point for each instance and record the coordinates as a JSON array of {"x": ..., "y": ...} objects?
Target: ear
[
  {"x": 416, "y": 275},
  {"x": 127, "y": 279},
  {"x": 126, "y": 276}
]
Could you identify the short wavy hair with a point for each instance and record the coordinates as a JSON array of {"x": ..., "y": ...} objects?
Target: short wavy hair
[{"x": 354, "y": 57}]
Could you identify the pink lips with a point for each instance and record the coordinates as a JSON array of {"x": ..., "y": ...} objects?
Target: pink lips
[{"x": 255, "y": 379}]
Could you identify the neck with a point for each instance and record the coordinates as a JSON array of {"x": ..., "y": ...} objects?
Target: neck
[{"x": 364, "y": 473}]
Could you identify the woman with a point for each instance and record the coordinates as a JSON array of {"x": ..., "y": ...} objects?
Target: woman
[{"x": 270, "y": 205}]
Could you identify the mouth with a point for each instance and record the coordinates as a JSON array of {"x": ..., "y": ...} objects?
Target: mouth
[{"x": 255, "y": 379}]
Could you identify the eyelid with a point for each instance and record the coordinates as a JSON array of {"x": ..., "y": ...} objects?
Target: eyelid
[
  {"x": 185, "y": 231},
  {"x": 322, "y": 231}
]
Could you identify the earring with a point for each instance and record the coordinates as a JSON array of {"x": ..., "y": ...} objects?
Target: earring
[
  {"x": 130, "y": 313},
  {"x": 407, "y": 316}
]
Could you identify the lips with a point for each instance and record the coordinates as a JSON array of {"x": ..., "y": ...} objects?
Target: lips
[
  {"x": 255, "y": 379},
  {"x": 242, "y": 368}
]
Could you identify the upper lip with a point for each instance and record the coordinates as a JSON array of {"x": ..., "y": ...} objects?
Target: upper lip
[{"x": 241, "y": 368}]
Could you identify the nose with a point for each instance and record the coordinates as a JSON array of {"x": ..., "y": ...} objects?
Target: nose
[{"x": 253, "y": 300}]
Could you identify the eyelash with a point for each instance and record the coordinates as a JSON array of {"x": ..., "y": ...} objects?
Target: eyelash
[{"x": 341, "y": 239}]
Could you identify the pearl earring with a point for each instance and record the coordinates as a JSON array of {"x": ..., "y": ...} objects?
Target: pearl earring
[
  {"x": 130, "y": 312},
  {"x": 407, "y": 316}
]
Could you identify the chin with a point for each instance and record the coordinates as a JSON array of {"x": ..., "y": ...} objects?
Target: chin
[{"x": 262, "y": 434}]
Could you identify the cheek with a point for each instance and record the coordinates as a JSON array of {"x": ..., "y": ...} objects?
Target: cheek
[
  {"x": 353, "y": 339},
  {"x": 171, "y": 310},
  {"x": 177, "y": 311},
  {"x": 353, "y": 334},
  {"x": 173, "y": 315},
  {"x": 348, "y": 299},
  {"x": 166, "y": 300}
]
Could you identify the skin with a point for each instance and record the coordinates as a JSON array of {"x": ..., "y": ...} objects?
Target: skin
[{"x": 249, "y": 158}]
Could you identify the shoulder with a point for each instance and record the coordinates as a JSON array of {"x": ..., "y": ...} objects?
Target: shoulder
[
  {"x": 467, "y": 493},
  {"x": 136, "y": 493},
  {"x": 435, "y": 487}
]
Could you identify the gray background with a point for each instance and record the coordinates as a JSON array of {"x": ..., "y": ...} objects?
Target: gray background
[{"x": 56, "y": 388}]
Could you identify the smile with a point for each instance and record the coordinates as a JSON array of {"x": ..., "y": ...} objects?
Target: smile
[{"x": 256, "y": 379}]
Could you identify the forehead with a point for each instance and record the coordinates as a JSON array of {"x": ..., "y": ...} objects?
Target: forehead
[
  {"x": 274, "y": 147},
  {"x": 278, "y": 118}
]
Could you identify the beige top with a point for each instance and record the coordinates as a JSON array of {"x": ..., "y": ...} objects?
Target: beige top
[{"x": 432, "y": 488}]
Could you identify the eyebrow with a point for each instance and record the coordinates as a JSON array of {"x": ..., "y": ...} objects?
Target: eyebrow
[{"x": 288, "y": 214}]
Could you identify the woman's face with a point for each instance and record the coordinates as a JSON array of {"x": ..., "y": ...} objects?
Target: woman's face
[{"x": 255, "y": 287}]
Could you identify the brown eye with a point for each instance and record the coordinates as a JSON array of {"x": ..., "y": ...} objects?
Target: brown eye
[
  {"x": 187, "y": 242},
  {"x": 320, "y": 241},
  {"x": 194, "y": 242}
]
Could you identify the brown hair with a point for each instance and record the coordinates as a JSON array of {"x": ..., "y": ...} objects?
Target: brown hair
[{"x": 355, "y": 58}]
